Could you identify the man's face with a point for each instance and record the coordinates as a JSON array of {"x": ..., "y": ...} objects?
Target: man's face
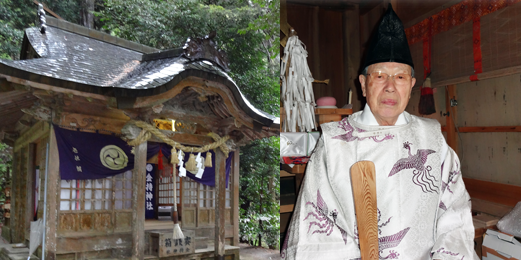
[{"x": 387, "y": 98}]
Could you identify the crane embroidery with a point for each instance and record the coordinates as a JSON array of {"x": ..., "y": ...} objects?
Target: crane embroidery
[
  {"x": 421, "y": 173},
  {"x": 326, "y": 220},
  {"x": 348, "y": 137}
]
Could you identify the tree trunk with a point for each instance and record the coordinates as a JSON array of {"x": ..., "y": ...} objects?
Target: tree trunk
[{"x": 87, "y": 16}]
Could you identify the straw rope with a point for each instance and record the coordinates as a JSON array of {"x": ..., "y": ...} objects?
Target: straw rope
[{"x": 148, "y": 130}]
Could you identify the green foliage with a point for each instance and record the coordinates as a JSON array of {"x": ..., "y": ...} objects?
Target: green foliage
[
  {"x": 260, "y": 192},
  {"x": 6, "y": 161},
  {"x": 267, "y": 23},
  {"x": 10, "y": 41},
  {"x": 69, "y": 10},
  {"x": 16, "y": 15}
]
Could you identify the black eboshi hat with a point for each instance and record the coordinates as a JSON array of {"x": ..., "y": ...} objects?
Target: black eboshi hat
[{"x": 389, "y": 44}]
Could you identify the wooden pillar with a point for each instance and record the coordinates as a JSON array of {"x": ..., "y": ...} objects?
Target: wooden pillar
[
  {"x": 452, "y": 135},
  {"x": 51, "y": 207},
  {"x": 138, "y": 201},
  {"x": 235, "y": 198},
  {"x": 316, "y": 48},
  {"x": 29, "y": 189},
  {"x": 15, "y": 172},
  {"x": 220, "y": 200},
  {"x": 351, "y": 33}
]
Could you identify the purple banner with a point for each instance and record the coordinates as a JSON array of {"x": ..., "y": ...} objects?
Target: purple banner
[{"x": 85, "y": 156}]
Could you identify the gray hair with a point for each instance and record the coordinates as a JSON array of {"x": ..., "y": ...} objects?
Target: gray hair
[{"x": 364, "y": 72}]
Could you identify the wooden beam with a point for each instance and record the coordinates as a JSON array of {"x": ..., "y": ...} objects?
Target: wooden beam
[
  {"x": 351, "y": 31},
  {"x": 92, "y": 122},
  {"x": 286, "y": 208},
  {"x": 29, "y": 187},
  {"x": 48, "y": 10},
  {"x": 138, "y": 202},
  {"x": 235, "y": 194},
  {"x": 51, "y": 207},
  {"x": 15, "y": 173},
  {"x": 432, "y": 12},
  {"x": 54, "y": 88},
  {"x": 5, "y": 86},
  {"x": 452, "y": 138},
  {"x": 131, "y": 131},
  {"x": 316, "y": 43},
  {"x": 489, "y": 129},
  {"x": 284, "y": 26},
  {"x": 220, "y": 200},
  {"x": 34, "y": 133},
  {"x": 491, "y": 208},
  {"x": 481, "y": 76},
  {"x": 500, "y": 193}
]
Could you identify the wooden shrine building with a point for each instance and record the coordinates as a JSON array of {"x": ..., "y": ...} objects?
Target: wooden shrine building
[{"x": 70, "y": 78}]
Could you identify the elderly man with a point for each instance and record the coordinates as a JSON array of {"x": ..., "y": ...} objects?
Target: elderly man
[{"x": 423, "y": 207}]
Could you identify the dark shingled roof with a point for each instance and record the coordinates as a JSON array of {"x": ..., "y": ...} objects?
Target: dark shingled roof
[{"x": 103, "y": 64}]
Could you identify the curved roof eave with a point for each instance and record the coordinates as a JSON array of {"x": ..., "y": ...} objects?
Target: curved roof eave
[
  {"x": 113, "y": 91},
  {"x": 77, "y": 60}
]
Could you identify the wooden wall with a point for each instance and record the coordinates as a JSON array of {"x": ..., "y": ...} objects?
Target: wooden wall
[
  {"x": 333, "y": 48},
  {"x": 336, "y": 39},
  {"x": 489, "y": 102},
  {"x": 496, "y": 156}
]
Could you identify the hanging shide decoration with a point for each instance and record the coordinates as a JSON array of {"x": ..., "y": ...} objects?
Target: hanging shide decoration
[
  {"x": 297, "y": 91},
  {"x": 194, "y": 165}
]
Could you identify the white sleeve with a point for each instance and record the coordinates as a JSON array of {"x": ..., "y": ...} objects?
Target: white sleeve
[
  {"x": 454, "y": 228},
  {"x": 317, "y": 230}
]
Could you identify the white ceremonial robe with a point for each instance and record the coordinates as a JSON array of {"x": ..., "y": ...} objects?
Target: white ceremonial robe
[{"x": 424, "y": 210}]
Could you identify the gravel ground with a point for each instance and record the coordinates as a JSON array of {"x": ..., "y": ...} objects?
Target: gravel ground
[{"x": 249, "y": 252}]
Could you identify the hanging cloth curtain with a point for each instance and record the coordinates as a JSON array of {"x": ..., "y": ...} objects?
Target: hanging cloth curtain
[{"x": 297, "y": 90}]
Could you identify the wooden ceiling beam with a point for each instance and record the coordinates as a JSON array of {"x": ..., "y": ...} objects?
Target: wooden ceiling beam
[
  {"x": 28, "y": 83},
  {"x": 210, "y": 87},
  {"x": 130, "y": 132}
]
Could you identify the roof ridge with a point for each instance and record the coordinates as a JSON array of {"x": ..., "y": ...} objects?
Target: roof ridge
[{"x": 98, "y": 35}]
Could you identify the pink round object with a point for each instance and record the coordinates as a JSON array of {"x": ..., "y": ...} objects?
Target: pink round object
[{"x": 326, "y": 101}]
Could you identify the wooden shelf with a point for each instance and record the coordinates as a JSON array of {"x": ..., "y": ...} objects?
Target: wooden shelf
[
  {"x": 297, "y": 169},
  {"x": 286, "y": 208},
  {"x": 333, "y": 111},
  {"x": 325, "y": 111},
  {"x": 284, "y": 173}
]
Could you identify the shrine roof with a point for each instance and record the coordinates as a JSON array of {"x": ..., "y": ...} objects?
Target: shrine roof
[{"x": 73, "y": 57}]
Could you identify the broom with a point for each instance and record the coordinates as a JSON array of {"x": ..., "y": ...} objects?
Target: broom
[{"x": 427, "y": 106}]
